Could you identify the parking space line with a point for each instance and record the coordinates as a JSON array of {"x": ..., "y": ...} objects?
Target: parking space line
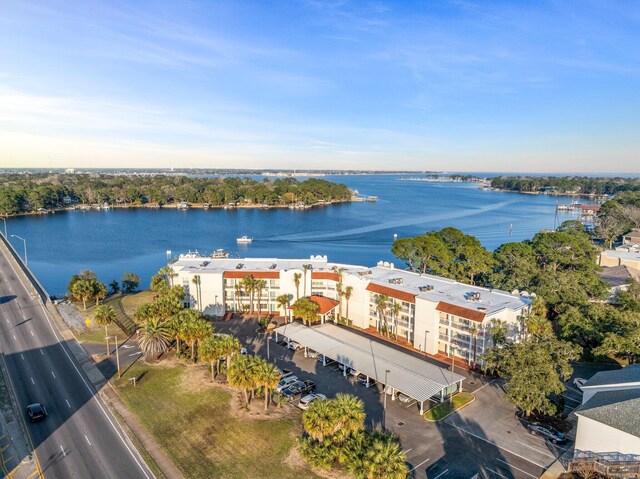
[
  {"x": 538, "y": 450},
  {"x": 410, "y": 449},
  {"x": 495, "y": 472},
  {"x": 442, "y": 473},
  {"x": 496, "y": 445},
  {"x": 517, "y": 468},
  {"x": 416, "y": 467}
]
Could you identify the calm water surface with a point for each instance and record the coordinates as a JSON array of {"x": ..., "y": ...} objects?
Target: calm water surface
[{"x": 115, "y": 241}]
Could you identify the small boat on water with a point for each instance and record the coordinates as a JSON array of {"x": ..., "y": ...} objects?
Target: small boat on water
[
  {"x": 220, "y": 253},
  {"x": 244, "y": 240}
]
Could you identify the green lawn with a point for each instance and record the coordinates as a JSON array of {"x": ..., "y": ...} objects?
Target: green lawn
[
  {"x": 193, "y": 422},
  {"x": 442, "y": 410}
]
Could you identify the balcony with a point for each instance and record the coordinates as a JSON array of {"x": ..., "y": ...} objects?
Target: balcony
[{"x": 461, "y": 327}]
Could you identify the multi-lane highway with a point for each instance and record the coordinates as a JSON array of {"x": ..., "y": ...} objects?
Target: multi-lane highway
[{"x": 80, "y": 438}]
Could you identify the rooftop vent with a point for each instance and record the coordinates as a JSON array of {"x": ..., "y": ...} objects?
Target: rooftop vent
[
  {"x": 474, "y": 297},
  {"x": 203, "y": 265},
  {"x": 273, "y": 266},
  {"x": 426, "y": 288},
  {"x": 481, "y": 308},
  {"x": 396, "y": 281},
  {"x": 240, "y": 266},
  {"x": 364, "y": 273}
]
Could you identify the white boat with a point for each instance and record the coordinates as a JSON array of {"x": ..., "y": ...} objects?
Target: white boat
[{"x": 244, "y": 240}]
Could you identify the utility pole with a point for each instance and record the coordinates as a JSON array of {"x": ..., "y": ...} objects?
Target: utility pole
[
  {"x": 117, "y": 357},
  {"x": 452, "y": 350},
  {"x": 26, "y": 260}
]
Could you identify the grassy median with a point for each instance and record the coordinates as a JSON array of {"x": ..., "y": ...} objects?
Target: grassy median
[
  {"x": 442, "y": 410},
  {"x": 194, "y": 423}
]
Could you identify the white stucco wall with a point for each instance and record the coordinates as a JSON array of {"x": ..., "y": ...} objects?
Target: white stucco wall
[{"x": 595, "y": 437}]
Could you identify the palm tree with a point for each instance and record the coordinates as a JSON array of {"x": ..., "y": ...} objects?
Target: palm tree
[
  {"x": 260, "y": 285},
  {"x": 382, "y": 300},
  {"x": 169, "y": 274},
  {"x": 99, "y": 291},
  {"x": 82, "y": 290},
  {"x": 249, "y": 284},
  {"x": 196, "y": 281},
  {"x": 105, "y": 315},
  {"x": 229, "y": 347},
  {"x": 350, "y": 412},
  {"x": 306, "y": 309},
  {"x": 347, "y": 296},
  {"x": 196, "y": 331},
  {"x": 209, "y": 351},
  {"x": 283, "y": 302},
  {"x": 155, "y": 338},
  {"x": 238, "y": 289},
  {"x": 395, "y": 309},
  {"x": 241, "y": 375},
  {"x": 305, "y": 268},
  {"x": 340, "y": 291},
  {"x": 268, "y": 377},
  {"x": 296, "y": 281},
  {"x": 474, "y": 336},
  {"x": 384, "y": 459},
  {"x": 319, "y": 420}
]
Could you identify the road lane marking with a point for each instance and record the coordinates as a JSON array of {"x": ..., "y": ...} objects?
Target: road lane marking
[
  {"x": 33, "y": 382},
  {"x": 42, "y": 352},
  {"x": 136, "y": 354},
  {"x": 116, "y": 429},
  {"x": 32, "y": 333},
  {"x": 517, "y": 468},
  {"x": 404, "y": 452},
  {"x": 495, "y": 472},
  {"x": 426, "y": 460},
  {"x": 89, "y": 442},
  {"x": 14, "y": 337},
  {"x": 62, "y": 449},
  {"x": 496, "y": 445},
  {"x": 53, "y": 374},
  {"x": 22, "y": 356},
  {"x": 538, "y": 450},
  {"x": 441, "y": 474},
  {"x": 68, "y": 404}
]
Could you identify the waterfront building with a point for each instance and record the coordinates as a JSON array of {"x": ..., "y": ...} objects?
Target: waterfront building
[
  {"x": 621, "y": 256},
  {"x": 429, "y": 313}
]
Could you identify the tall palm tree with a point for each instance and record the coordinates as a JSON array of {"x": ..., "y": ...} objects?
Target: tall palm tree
[
  {"x": 249, "y": 284},
  {"x": 209, "y": 351},
  {"x": 351, "y": 415},
  {"x": 82, "y": 290},
  {"x": 230, "y": 347},
  {"x": 238, "y": 289},
  {"x": 260, "y": 286},
  {"x": 395, "y": 309},
  {"x": 382, "y": 300},
  {"x": 196, "y": 331},
  {"x": 241, "y": 375},
  {"x": 155, "y": 337},
  {"x": 283, "y": 302},
  {"x": 296, "y": 281},
  {"x": 196, "y": 281},
  {"x": 105, "y": 315},
  {"x": 305, "y": 268},
  {"x": 320, "y": 420},
  {"x": 169, "y": 274},
  {"x": 384, "y": 459},
  {"x": 347, "y": 296},
  {"x": 99, "y": 291},
  {"x": 340, "y": 292},
  {"x": 474, "y": 336},
  {"x": 268, "y": 376}
]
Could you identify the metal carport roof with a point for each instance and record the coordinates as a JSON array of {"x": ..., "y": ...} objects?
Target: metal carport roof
[{"x": 412, "y": 376}]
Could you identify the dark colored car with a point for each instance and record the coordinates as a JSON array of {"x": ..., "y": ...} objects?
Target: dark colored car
[
  {"x": 299, "y": 388},
  {"x": 550, "y": 433},
  {"x": 36, "y": 412}
]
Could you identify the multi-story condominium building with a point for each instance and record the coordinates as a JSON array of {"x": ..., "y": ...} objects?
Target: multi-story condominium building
[{"x": 432, "y": 314}]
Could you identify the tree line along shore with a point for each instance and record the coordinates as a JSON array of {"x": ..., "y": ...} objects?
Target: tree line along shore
[
  {"x": 566, "y": 185},
  {"x": 33, "y": 193}
]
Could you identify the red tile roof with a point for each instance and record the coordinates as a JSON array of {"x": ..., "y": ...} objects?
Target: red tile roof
[
  {"x": 326, "y": 304},
  {"x": 394, "y": 293},
  {"x": 461, "y": 312},
  {"x": 325, "y": 275},
  {"x": 255, "y": 274}
]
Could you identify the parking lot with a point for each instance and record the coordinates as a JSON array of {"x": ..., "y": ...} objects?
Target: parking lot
[{"x": 484, "y": 438}]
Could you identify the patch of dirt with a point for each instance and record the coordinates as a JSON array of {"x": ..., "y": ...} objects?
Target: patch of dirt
[
  {"x": 296, "y": 462},
  {"x": 71, "y": 316}
]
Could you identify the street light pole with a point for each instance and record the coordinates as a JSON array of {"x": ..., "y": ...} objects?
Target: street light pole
[
  {"x": 384, "y": 407},
  {"x": 107, "y": 338},
  {"x": 268, "y": 341},
  {"x": 452, "y": 350},
  {"x": 26, "y": 261},
  {"x": 117, "y": 356}
]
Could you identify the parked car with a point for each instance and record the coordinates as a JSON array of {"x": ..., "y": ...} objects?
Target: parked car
[
  {"x": 403, "y": 398},
  {"x": 36, "y": 412},
  {"x": 579, "y": 382},
  {"x": 244, "y": 351},
  {"x": 284, "y": 373},
  {"x": 312, "y": 354},
  {"x": 308, "y": 399},
  {"x": 364, "y": 380},
  {"x": 286, "y": 382},
  {"x": 550, "y": 433},
  {"x": 298, "y": 388},
  {"x": 293, "y": 345},
  {"x": 351, "y": 371},
  {"x": 327, "y": 360}
]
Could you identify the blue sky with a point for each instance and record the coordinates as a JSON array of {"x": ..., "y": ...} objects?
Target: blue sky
[{"x": 458, "y": 86}]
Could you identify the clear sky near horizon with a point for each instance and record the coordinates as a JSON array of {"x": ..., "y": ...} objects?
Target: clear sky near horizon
[{"x": 460, "y": 85}]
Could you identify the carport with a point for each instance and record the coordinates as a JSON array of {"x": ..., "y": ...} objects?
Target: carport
[{"x": 400, "y": 371}]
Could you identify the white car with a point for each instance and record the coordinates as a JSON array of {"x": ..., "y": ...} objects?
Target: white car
[
  {"x": 308, "y": 399},
  {"x": 579, "y": 382},
  {"x": 244, "y": 351},
  {"x": 293, "y": 345},
  {"x": 286, "y": 382}
]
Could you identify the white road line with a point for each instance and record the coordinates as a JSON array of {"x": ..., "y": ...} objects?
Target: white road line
[
  {"x": 494, "y": 444},
  {"x": 53, "y": 374},
  {"x": 426, "y": 460},
  {"x": 441, "y": 474},
  {"x": 14, "y": 337},
  {"x": 42, "y": 352},
  {"x": 136, "y": 354},
  {"x": 517, "y": 468},
  {"x": 32, "y": 333},
  {"x": 404, "y": 452},
  {"x": 33, "y": 382},
  {"x": 496, "y": 472},
  {"x": 89, "y": 442},
  {"x": 84, "y": 381},
  {"x": 538, "y": 450},
  {"x": 68, "y": 404},
  {"x": 62, "y": 449},
  {"x": 22, "y": 356}
]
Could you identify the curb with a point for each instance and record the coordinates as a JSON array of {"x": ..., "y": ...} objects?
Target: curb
[{"x": 452, "y": 412}]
